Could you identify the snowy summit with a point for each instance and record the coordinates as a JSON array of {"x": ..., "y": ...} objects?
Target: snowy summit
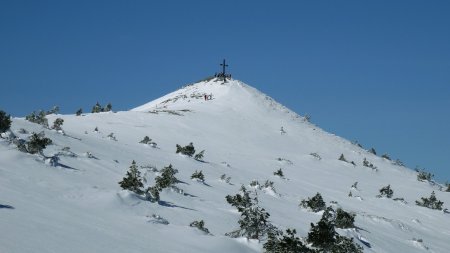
[{"x": 70, "y": 196}]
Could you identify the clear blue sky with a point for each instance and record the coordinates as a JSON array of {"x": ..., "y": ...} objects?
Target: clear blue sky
[{"x": 373, "y": 71}]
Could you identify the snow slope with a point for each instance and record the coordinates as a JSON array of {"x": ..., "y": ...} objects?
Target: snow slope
[{"x": 79, "y": 206}]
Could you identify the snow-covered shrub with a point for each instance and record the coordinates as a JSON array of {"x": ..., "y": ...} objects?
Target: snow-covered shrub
[
  {"x": 315, "y": 155},
  {"x": 57, "y": 124},
  {"x": 399, "y": 163},
  {"x": 368, "y": 164},
  {"x": 422, "y": 175},
  {"x": 97, "y": 108},
  {"x": 38, "y": 118},
  {"x": 342, "y": 158},
  {"x": 54, "y": 110},
  {"x": 281, "y": 243},
  {"x": 108, "y": 108},
  {"x": 448, "y": 187},
  {"x": 386, "y": 156},
  {"x": 112, "y": 137},
  {"x": 167, "y": 177},
  {"x": 432, "y": 202},
  {"x": 198, "y": 175},
  {"x": 324, "y": 237},
  {"x": 79, "y": 112},
  {"x": 241, "y": 200},
  {"x": 146, "y": 140},
  {"x": 188, "y": 150},
  {"x": 279, "y": 173},
  {"x": 152, "y": 193},
  {"x": 132, "y": 181},
  {"x": 386, "y": 191},
  {"x": 199, "y": 225},
  {"x": 225, "y": 178},
  {"x": 344, "y": 219},
  {"x": 314, "y": 204},
  {"x": 5, "y": 121},
  {"x": 199, "y": 156},
  {"x": 37, "y": 143},
  {"x": 254, "y": 223},
  {"x": 372, "y": 150}
]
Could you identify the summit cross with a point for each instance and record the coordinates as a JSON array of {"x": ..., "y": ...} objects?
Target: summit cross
[{"x": 223, "y": 67}]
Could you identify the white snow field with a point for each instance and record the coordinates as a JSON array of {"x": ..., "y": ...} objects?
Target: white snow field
[{"x": 78, "y": 205}]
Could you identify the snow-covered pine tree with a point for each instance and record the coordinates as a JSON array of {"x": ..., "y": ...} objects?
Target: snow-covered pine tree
[
  {"x": 132, "y": 181},
  {"x": 344, "y": 219},
  {"x": 167, "y": 177},
  {"x": 254, "y": 223},
  {"x": 57, "y": 124},
  {"x": 152, "y": 193},
  {"x": 200, "y": 225},
  {"x": 282, "y": 243},
  {"x": 5, "y": 121},
  {"x": 198, "y": 175},
  {"x": 97, "y": 108},
  {"x": 324, "y": 237},
  {"x": 108, "y": 107},
  {"x": 372, "y": 150},
  {"x": 279, "y": 173},
  {"x": 386, "y": 191},
  {"x": 199, "y": 156},
  {"x": 188, "y": 150},
  {"x": 37, "y": 143},
  {"x": 79, "y": 112},
  {"x": 146, "y": 140},
  {"x": 315, "y": 203},
  {"x": 432, "y": 202},
  {"x": 342, "y": 158},
  {"x": 240, "y": 201}
]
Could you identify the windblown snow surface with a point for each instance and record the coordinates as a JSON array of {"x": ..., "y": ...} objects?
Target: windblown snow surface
[{"x": 78, "y": 206}]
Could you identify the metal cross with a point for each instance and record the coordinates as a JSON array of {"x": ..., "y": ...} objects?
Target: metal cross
[{"x": 223, "y": 66}]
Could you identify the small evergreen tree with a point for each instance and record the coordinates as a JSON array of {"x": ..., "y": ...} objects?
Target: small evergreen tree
[
  {"x": 54, "y": 110},
  {"x": 58, "y": 123},
  {"x": 254, "y": 223},
  {"x": 344, "y": 219},
  {"x": 198, "y": 175},
  {"x": 188, "y": 150},
  {"x": 167, "y": 177},
  {"x": 289, "y": 243},
  {"x": 132, "y": 181},
  {"x": 315, "y": 203},
  {"x": 422, "y": 175},
  {"x": 279, "y": 173},
  {"x": 152, "y": 193},
  {"x": 37, "y": 143},
  {"x": 108, "y": 107},
  {"x": 448, "y": 187},
  {"x": 5, "y": 121},
  {"x": 324, "y": 236},
  {"x": 199, "y": 156},
  {"x": 79, "y": 112},
  {"x": 432, "y": 202},
  {"x": 97, "y": 108},
  {"x": 386, "y": 156},
  {"x": 146, "y": 140},
  {"x": 240, "y": 201},
  {"x": 342, "y": 158},
  {"x": 372, "y": 150},
  {"x": 39, "y": 118},
  {"x": 200, "y": 225},
  {"x": 386, "y": 192}
]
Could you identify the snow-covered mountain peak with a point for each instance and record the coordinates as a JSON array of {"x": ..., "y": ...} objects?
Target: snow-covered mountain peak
[{"x": 212, "y": 93}]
